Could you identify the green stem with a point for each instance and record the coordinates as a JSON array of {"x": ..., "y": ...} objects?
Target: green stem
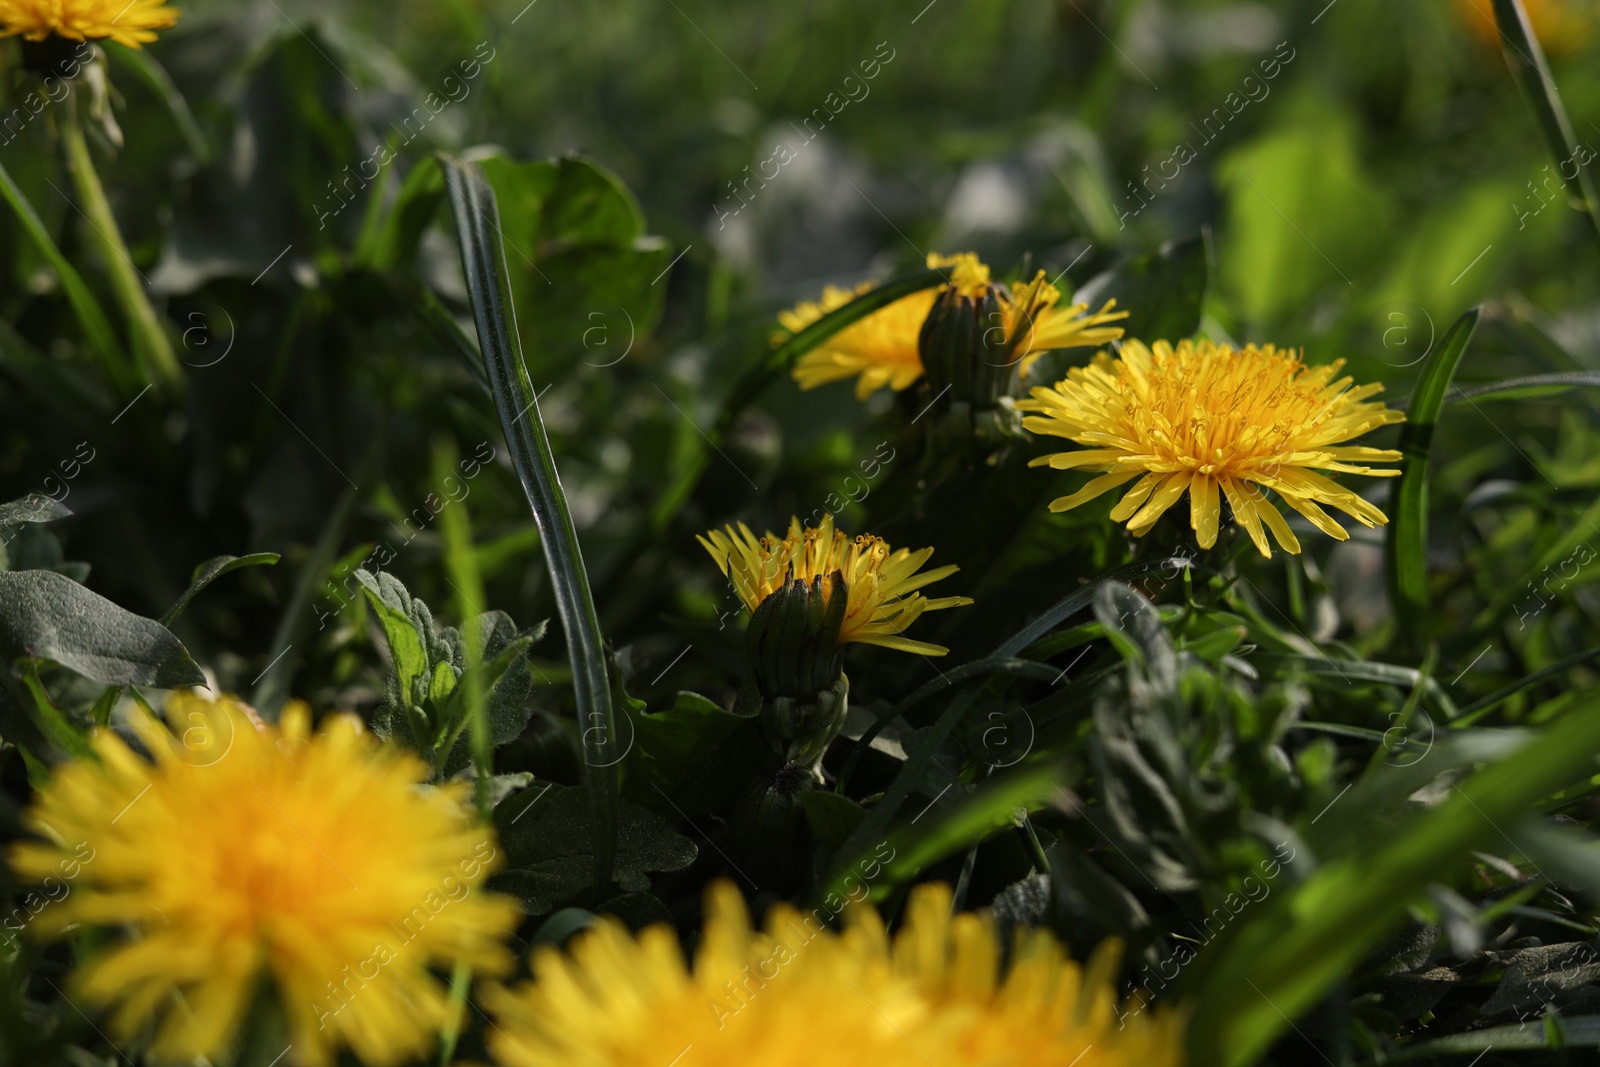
[{"x": 150, "y": 342}]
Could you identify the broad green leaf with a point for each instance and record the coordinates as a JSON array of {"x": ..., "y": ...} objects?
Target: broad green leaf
[
  {"x": 52, "y": 721},
  {"x": 549, "y": 836},
  {"x": 695, "y": 753},
  {"x": 35, "y": 507},
  {"x": 484, "y": 261},
  {"x": 46, "y": 615},
  {"x": 1405, "y": 545},
  {"x": 1162, "y": 292},
  {"x": 585, "y": 275}
]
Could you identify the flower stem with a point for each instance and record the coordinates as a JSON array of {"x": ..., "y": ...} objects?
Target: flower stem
[{"x": 151, "y": 345}]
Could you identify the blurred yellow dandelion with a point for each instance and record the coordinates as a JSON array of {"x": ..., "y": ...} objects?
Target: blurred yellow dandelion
[
  {"x": 1204, "y": 418},
  {"x": 882, "y": 583},
  {"x": 883, "y": 349},
  {"x": 798, "y": 994},
  {"x": 1562, "y": 26},
  {"x": 245, "y": 852},
  {"x": 127, "y": 22}
]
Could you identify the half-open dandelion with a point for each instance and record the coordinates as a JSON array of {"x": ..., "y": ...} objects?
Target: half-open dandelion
[
  {"x": 810, "y": 593},
  {"x": 879, "y": 584},
  {"x": 244, "y": 853},
  {"x": 1213, "y": 422},
  {"x": 889, "y": 347},
  {"x": 128, "y": 22},
  {"x": 798, "y": 994}
]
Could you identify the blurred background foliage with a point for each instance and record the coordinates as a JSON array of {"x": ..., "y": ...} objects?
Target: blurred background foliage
[{"x": 1347, "y": 177}]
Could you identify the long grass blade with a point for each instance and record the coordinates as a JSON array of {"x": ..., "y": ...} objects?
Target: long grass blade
[
  {"x": 1407, "y": 542},
  {"x": 96, "y": 326},
  {"x": 1532, "y": 385},
  {"x": 1525, "y": 57},
  {"x": 758, "y": 377},
  {"x": 477, "y": 215}
]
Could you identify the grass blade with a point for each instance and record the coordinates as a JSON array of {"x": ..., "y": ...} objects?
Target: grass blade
[
  {"x": 1532, "y": 385},
  {"x": 158, "y": 81},
  {"x": 483, "y": 258},
  {"x": 758, "y": 377},
  {"x": 1405, "y": 547},
  {"x": 1526, "y": 59},
  {"x": 960, "y": 824},
  {"x": 461, "y": 561},
  {"x": 272, "y": 686},
  {"x": 87, "y": 309},
  {"x": 1274, "y": 968}
]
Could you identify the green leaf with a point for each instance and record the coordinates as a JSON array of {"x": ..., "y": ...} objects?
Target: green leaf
[
  {"x": 1582, "y": 1031},
  {"x": 833, "y": 818},
  {"x": 96, "y": 326},
  {"x": 272, "y": 688},
  {"x": 1163, "y": 292},
  {"x": 210, "y": 571},
  {"x": 484, "y": 261},
  {"x": 549, "y": 836},
  {"x": 35, "y": 507},
  {"x": 1406, "y": 545},
  {"x": 1303, "y": 213},
  {"x": 584, "y": 273},
  {"x": 944, "y": 831},
  {"x": 46, "y": 615},
  {"x": 694, "y": 753},
  {"x": 1483, "y": 706},
  {"x": 1075, "y": 602},
  {"x": 1532, "y": 385},
  {"x": 405, "y": 632},
  {"x": 52, "y": 721},
  {"x": 1525, "y": 56},
  {"x": 393, "y": 244},
  {"x": 1300, "y": 942}
]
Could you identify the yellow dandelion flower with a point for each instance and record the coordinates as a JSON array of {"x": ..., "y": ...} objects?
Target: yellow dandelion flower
[
  {"x": 798, "y": 994},
  {"x": 1036, "y": 324},
  {"x": 128, "y": 22},
  {"x": 878, "y": 351},
  {"x": 881, "y": 583},
  {"x": 1203, "y": 418},
  {"x": 242, "y": 852},
  {"x": 883, "y": 349}
]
